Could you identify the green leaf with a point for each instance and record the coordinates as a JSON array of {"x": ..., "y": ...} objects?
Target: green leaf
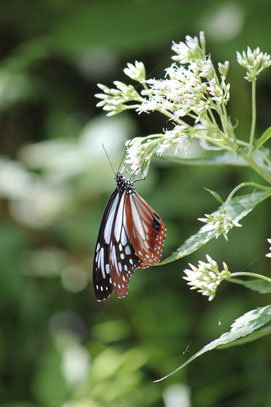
[
  {"x": 261, "y": 286},
  {"x": 206, "y": 145},
  {"x": 242, "y": 330},
  {"x": 259, "y": 333},
  {"x": 263, "y": 139},
  {"x": 215, "y": 195},
  {"x": 226, "y": 158},
  {"x": 237, "y": 209}
]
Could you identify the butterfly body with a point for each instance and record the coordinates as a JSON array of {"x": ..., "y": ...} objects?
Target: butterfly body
[{"x": 131, "y": 236}]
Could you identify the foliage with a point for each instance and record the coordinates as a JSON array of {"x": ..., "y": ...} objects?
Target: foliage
[
  {"x": 58, "y": 347},
  {"x": 193, "y": 89}
]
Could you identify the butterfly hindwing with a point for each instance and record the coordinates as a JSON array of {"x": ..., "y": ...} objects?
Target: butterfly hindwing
[
  {"x": 146, "y": 230},
  {"x": 122, "y": 258}
]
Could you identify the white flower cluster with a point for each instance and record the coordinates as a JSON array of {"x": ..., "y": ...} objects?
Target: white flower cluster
[
  {"x": 269, "y": 254},
  {"x": 114, "y": 100},
  {"x": 254, "y": 62},
  {"x": 136, "y": 72},
  {"x": 177, "y": 138},
  {"x": 140, "y": 151},
  {"x": 220, "y": 222},
  {"x": 191, "y": 50},
  {"x": 190, "y": 87},
  {"x": 134, "y": 153},
  {"x": 206, "y": 277}
]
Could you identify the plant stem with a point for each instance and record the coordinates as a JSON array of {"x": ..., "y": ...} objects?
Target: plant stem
[
  {"x": 256, "y": 168},
  {"x": 247, "y": 184},
  {"x": 253, "y": 120},
  {"x": 247, "y": 274}
]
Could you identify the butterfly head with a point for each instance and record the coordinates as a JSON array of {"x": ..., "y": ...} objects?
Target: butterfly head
[{"x": 124, "y": 184}]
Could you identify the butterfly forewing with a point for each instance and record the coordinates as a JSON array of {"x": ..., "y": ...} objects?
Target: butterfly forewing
[
  {"x": 115, "y": 259},
  {"x": 146, "y": 230},
  {"x": 101, "y": 273}
]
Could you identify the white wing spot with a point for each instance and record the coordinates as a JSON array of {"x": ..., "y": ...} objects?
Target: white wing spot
[
  {"x": 122, "y": 256},
  {"x": 131, "y": 261},
  {"x": 102, "y": 262},
  {"x": 123, "y": 237},
  {"x": 127, "y": 250}
]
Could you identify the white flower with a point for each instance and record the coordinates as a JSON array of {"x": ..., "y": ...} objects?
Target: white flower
[
  {"x": 220, "y": 222},
  {"x": 269, "y": 254},
  {"x": 113, "y": 99},
  {"x": 206, "y": 277},
  {"x": 136, "y": 72},
  {"x": 219, "y": 93},
  {"x": 191, "y": 50},
  {"x": 134, "y": 154},
  {"x": 176, "y": 137},
  {"x": 254, "y": 62},
  {"x": 223, "y": 68},
  {"x": 207, "y": 69}
]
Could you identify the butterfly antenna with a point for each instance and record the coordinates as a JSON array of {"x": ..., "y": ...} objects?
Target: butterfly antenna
[{"x": 108, "y": 159}]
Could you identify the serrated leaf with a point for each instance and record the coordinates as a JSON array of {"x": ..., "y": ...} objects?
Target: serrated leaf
[
  {"x": 215, "y": 195},
  {"x": 237, "y": 209},
  {"x": 261, "y": 286},
  {"x": 263, "y": 139},
  {"x": 244, "y": 329}
]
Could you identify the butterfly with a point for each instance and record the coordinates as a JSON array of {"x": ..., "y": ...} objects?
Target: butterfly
[{"x": 131, "y": 236}]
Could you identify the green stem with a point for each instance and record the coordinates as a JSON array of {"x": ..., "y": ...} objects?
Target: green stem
[
  {"x": 256, "y": 168},
  {"x": 247, "y": 274},
  {"x": 246, "y": 184},
  {"x": 253, "y": 120},
  {"x": 171, "y": 116},
  {"x": 230, "y": 135},
  {"x": 214, "y": 141}
]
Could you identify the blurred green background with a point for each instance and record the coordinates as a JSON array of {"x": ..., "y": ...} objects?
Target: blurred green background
[{"x": 58, "y": 346}]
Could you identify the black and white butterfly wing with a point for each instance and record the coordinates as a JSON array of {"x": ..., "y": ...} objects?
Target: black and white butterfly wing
[
  {"x": 114, "y": 257},
  {"x": 122, "y": 258},
  {"x": 101, "y": 272}
]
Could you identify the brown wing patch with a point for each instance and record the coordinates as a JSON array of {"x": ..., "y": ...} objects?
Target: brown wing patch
[{"x": 145, "y": 228}]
